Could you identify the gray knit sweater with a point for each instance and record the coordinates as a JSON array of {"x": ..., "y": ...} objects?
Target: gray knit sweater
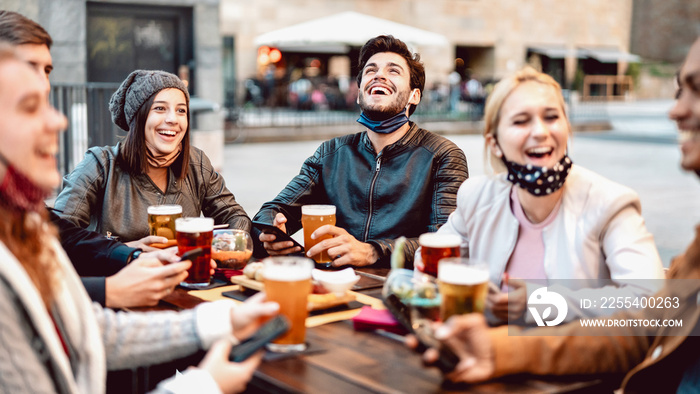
[{"x": 33, "y": 359}]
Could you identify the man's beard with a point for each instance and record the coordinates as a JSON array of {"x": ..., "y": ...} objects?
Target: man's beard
[{"x": 379, "y": 113}]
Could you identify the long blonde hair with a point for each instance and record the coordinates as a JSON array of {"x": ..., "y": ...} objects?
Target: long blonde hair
[{"x": 494, "y": 103}]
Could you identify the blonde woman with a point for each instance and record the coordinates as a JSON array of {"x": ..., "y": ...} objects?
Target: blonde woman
[{"x": 540, "y": 217}]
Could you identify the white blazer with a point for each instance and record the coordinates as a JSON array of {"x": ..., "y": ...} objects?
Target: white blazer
[{"x": 598, "y": 233}]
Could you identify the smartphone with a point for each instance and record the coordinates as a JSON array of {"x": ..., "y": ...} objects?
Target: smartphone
[
  {"x": 191, "y": 254},
  {"x": 281, "y": 235},
  {"x": 447, "y": 360},
  {"x": 493, "y": 289},
  {"x": 265, "y": 334}
]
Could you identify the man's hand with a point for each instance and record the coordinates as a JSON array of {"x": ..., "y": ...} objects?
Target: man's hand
[
  {"x": 343, "y": 248},
  {"x": 278, "y": 248},
  {"x": 247, "y": 317},
  {"x": 467, "y": 336},
  {"x": 229, "y": 376},
  {"x": 143, "y": 282},
  {"x": 144, "y": 243},
  {"x": 511, "y": 305}
]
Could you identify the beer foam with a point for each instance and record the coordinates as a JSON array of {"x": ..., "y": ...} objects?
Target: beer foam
[
  {"x": 318, "y": 210},
  {"x": 164, "y": 209},
  {"x": 194, "y": 225},
  {"x": 437, "y": 240},
  {"x": 286, "y": 273},
  {"x": 460, "y": 274}
]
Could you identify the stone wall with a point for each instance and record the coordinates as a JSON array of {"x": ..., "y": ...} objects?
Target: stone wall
[
  {"x": 663, "y": 30},
  {"x": 509, "y": 26}
]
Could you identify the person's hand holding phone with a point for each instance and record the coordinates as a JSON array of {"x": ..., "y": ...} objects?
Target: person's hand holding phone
[
  {"x": 508, "y": 305},
  {"x": 467, "y": 337},
  {"x": 273, "y": 243},
  {"x": 248, "y": 316},
  {"x": 231, "y": 377}
]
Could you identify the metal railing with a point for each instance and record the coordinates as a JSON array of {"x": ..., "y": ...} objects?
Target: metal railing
[{"x": 89, "y": 122}]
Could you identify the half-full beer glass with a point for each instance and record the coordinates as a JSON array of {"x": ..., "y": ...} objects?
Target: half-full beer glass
[
  {"x": 313, "y": 217},
  {"x": 196, "y": 233},
  {"x": 435, "y": 247},
  {"x": 161, "y": 220},
  {"x": 288, "y": 282},
  {"x": 463, "y": 286}
]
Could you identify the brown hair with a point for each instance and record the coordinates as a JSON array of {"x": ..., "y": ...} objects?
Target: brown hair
[
  {"x": 501, "y": 91},
  {"x": 17, "y": 29},
  {"x": 27, "y": 234},
  {"x": 391, "y": 44},
  {"x": 132, "y": 155}
]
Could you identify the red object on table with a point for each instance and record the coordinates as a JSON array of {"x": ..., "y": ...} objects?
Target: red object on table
[
  {"x": 227, "y": 273},
  {"x": 372, "y": 319}
]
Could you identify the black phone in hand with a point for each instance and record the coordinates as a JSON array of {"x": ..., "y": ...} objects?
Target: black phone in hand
[
  {"x": 264, "y": 335},
  {"x": 192, "y": 254},
  {"x": 447, "y": 361},
  {"x": 279, "y": 234}
]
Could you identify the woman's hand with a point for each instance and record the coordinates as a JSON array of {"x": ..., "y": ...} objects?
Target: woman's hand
[
  {"x": 511, "y": 305},
  {"x": 143, "y": 282},
  {"x": 229, "y": 376},
  {"x": 247, "y": 317}
]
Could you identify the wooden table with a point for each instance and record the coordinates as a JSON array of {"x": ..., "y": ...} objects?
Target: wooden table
[{"x": 366, "y": 362}]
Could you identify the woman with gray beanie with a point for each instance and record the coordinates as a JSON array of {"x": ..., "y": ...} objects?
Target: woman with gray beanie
[{"x": 111, "y": 189}]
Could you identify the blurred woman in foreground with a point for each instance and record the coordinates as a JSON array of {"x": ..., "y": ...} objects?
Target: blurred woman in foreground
[
  {"x": 53, "y": 339},
  {"x": 540, "y": 217}
]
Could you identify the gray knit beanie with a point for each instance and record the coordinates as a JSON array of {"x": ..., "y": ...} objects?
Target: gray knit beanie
[{"x": 136, "y": 89}]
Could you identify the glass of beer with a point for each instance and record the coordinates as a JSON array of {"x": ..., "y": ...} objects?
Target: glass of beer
[
  {"x": 313, "y": 217},
  {"x": 161, "y": 220},
  {"x": 194, "y": 233},
  {"x": 463, "y": 285},
  {"x": 435, "y": 247},
  {"x": 425, "y": 300},
  {"x": 288, "y": 282}
]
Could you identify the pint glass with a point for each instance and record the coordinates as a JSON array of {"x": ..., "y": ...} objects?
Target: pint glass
[
  {"x": 161, "y": 220},
  {"x": 196, "y": 233},
  {"x": 313, "y": 217},
  {"x": 434, "y": 247},
  {"x": 463, "y": 286},
  {"x": 288, "y": 282}
]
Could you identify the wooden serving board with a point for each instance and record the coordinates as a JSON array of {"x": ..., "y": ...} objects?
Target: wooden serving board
[{"x": 316, "y": 301}]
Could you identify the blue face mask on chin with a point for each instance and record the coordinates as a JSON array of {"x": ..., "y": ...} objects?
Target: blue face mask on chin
[{"x": 386, "y": 126}]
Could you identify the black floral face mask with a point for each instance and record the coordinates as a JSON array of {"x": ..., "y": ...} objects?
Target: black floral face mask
[{"x": 539, "y": 181}]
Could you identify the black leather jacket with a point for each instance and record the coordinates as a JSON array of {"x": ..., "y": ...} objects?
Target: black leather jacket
[
  {"x": 101, "y": 196},
  {"x": 408, "y": 189}
]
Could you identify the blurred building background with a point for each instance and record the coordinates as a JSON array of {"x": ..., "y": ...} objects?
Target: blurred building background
[{"x": 292, "y": 63}]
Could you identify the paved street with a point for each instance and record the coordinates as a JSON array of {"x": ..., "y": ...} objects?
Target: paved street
[{"x": 640, "y": 153}]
